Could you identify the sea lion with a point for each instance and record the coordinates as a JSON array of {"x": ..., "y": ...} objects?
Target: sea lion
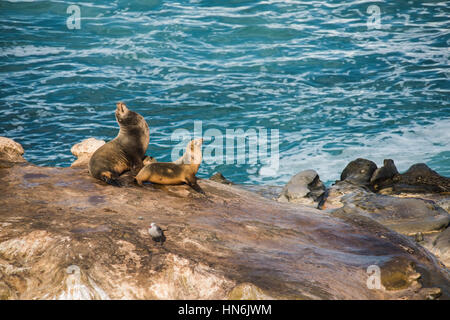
[
  {"x": 172, "y": 173},
  {"x": 123, "y": 153}
]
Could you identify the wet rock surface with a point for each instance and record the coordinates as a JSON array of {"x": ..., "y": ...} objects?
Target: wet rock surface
[
  {"x": 335, "y": 194},
  {"x": 266, "y": 191},
  {"x": 415, "y": 203},
  {"x": 66, "y": 235},
  {"x": 404, "y": 215},
  {"x": 440, "y": 199},
  {"x": 440, "y": 246}
]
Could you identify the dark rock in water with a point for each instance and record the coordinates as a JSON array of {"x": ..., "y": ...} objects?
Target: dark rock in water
[
  {"x": 421, "y": 179},
  {"x": 232, "y": 244},
  {"x": 218, "y": 177},
  {"x": 404, "y": 215},
  {"x": 359, "y": 171},
  {"x": 385, "y": 175},
  {"x": 305, "y": 187}
]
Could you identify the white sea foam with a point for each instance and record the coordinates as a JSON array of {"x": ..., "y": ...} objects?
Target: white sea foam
[
  {"x": 413, "y": 144},
  {"x": 30, "y": 50}
]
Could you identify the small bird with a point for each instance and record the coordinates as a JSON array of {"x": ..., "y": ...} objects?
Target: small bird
[{"x": 156, "y": 233}]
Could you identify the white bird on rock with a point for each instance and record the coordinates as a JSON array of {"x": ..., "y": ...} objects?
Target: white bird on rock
[{"x": 156, "y": 233}]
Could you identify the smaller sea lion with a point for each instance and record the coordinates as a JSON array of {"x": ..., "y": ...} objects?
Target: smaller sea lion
[
  {"x": 170, "y": 173},
  {"x": 147, "y": 160},
  {"x": 193, "y": 152}
]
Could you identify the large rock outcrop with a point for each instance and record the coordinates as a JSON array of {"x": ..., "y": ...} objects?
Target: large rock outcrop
[
  {"x": 414, "y": 203},
  {"x": 65, "y": 235},
  {"x": 84, "y": 151}
]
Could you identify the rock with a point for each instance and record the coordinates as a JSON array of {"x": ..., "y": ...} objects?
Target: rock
[
  {"x": 334, "y": 195},
  {"x": 440, "y": 199},
  {"x": 385, "y": 175},
  {"x": 10, "y": 150},
  {"x": 65, "y": 235},
  {"x": 419, "y": 178},
  {"x": 418, "y": 237},
  {"x": 248, "y": 291},
  {"x": 404, "y": 215},
  {"x": 266, "y": 191},
  {"x": 218, "y": 177},
  {"x": 399, "y": 274},
  {"x": 432, "y": 293},
  {"x": 84, "y": 150},
  {"x": 359, "y": 171},
  {"x": 443, "y": 202},
  {"x": 440, "y": 247},
  {"x": 305, "y": 187}
]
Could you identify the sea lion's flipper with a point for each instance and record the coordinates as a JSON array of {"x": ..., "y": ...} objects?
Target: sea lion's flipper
[
  {"x": 138, "y": 182},
  {"x": 196, "y": 187},
  {"x": 111, "y": 181}
]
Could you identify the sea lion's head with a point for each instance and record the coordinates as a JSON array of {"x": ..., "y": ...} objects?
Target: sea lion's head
[
  {"x": 132, "y": 123},
  {"x": 195, "y": 145},
  {"x": 194, "y": 151},
  {"x": 126, "y": 117}
]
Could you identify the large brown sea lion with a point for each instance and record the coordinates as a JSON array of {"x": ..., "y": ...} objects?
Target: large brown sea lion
[{"x": 123, "y": 153}]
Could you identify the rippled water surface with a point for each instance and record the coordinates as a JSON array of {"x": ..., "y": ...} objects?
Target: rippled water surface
[{"x": 334, "y": 87}]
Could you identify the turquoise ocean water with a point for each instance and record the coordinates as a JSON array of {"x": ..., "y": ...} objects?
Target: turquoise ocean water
[{"x": 335, "y": 87}]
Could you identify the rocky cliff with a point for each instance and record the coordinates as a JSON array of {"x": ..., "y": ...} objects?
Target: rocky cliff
[{"x": 65, "y": 235}]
